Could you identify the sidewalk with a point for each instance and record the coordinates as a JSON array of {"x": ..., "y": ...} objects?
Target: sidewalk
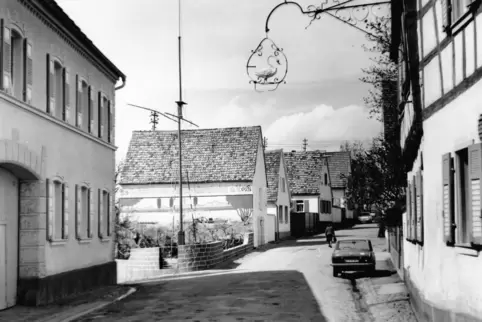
[{"x": 70, "y": 308}]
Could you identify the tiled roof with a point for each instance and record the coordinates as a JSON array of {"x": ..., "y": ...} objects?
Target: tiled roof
[
  {"x": 339, "y": 163},
  {"x": 304, "y": 171},
  {"x": 208, "y": 155},
  {"x": 272, "y": 160},
  {"x": 58, "y": 13}
]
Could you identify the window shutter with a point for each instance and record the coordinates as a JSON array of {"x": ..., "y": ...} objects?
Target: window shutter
[
  {"x": 306, "y": 205},
  {"x": 446, "y": 13},
  {"x": 50, "y": 209},
  {"x": 65, "y": 220},
  {"x": 109, "y": 121},
  {"x": 100, "y": 119},
  {"x": 78, "y": 107},
  {"x": 91, "y": 214},
  {"x": 448, "y": 204},
  {"x": 101, "y": 214},
  {"x": 419, "y": 192},
  {"x": 475, "y": 176},
  {"x": 50, "y": 86},
  {"x": 7, "y": 58},
  {"x": 414, "y": 209},
  {"x": 111, "y": 213},
  {"x": 66, "y": 79},
  {"x": 78, "y": 211},
  {"x": 28, "y": 71},
  {"x": 409, "y": 212},
  {"x": 91, "y": 109}
]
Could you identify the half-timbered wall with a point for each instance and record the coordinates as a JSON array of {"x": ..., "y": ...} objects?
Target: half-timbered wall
[{"x": 442, "y": 262}]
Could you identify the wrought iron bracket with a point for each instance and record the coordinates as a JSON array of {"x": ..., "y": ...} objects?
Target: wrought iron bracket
[{"x": 338, "y": 10}]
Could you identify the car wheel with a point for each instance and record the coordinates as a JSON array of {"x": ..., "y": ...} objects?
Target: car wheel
[
  {"x": 335, "y": 272},
  {"x": 372, "y": 270}
]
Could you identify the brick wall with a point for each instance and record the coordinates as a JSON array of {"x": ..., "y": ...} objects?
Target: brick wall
[{"x": 144, "y": 263}]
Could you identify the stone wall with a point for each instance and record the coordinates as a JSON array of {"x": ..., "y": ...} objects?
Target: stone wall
[{"x": 144, "y": 263}]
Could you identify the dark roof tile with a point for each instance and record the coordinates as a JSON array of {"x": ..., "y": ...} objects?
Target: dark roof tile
[
  {"x": 273, "y": 160},
  {"x": 304, "y": 171},
  {"x": 339, "y": 163},
  {"x": 209, "y": 155}
]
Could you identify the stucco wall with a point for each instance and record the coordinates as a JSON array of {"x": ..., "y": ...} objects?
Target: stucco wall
[
  {"x": 75, "y": 156},
  {"x": 260, "y": 198},
  {"x": 445, "y": 275},
  {"x": 270, "y": 228},
  {"x": 284, "y": 198}
]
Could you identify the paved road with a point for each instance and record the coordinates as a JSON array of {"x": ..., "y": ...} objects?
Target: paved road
[{"x": 291, "y": 281}]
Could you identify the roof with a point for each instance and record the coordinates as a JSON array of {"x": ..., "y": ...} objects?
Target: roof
[
  {"x": 273, "y": 160},
  {"x": 339, "y": 163},
  {"x": 208, "y": 155},
  {"x": 59, "y": 14},
  {"x": 304, "y": 172}
]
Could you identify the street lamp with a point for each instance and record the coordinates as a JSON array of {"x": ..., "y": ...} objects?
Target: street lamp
[{"x": 267, "y": 65}]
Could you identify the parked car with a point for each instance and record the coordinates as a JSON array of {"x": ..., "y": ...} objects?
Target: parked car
[
  {"x": 365, "y": 218},
  {"x": 353, "y": 255}
]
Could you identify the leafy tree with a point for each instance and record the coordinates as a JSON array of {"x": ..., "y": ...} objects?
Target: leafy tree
[{"x": 383, "y": 74}]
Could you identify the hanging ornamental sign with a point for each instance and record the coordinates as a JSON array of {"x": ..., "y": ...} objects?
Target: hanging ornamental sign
[{"x": 267, "y": 66}]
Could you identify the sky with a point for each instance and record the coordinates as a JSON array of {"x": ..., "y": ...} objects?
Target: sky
[{"x": 321, "y": 101}]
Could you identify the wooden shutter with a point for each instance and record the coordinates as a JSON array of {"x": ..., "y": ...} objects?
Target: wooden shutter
[
  {"x": 50, "y": 85},
  {"x": 78, "y": 95},
  {"x": 306, "y": 206},
  {"x": 409, "y": 212},
  {"x": 101, "y": 214},
  {"x": 78, "y": 211},
  {"x": 414, "y": 209},
  {"x": 50, "y": 209},
  {"x": 66, "y": 82},
  {"x": 65, "y": 219},
  {"x": 419, "y": 201},
  {"x": 474, "y": 209},
  {"x": 446, "y": 13},
  {"x": 91, "y": 109},
  {"x": 100, "y": 118},
  {"x": 448, "y": 201},
  {"x": 7, "y": 58},
  {"x": 28, "y": 71},
  {"x": 91, "y": 214},
  {"x": 109, "y": 121},
  {"x": 111, "y": 213}
]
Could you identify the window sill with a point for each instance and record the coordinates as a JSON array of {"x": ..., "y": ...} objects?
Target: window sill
[
  {"x": 84, "y": 240},
  {"x": 58, "y": 242},
  {"x": 466, "y": 249},
  {"x": 105, "y": 240}
]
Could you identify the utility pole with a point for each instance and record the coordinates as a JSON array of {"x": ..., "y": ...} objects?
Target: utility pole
[
  {"x": 305, "y": 143},
  {"x": 180, "y": 103},
  {"x": 154, "y": 119},
  {"x": 265, "y": 143}
]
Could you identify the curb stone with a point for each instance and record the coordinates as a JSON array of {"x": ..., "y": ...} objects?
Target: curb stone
[{"x": 92, "y": 309}]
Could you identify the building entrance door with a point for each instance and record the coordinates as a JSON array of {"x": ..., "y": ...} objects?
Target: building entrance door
[{"x": 9, "y": 215}]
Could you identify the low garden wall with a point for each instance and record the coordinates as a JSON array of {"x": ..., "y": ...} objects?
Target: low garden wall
[
  {"x": 206, "y": 256},
  {"x": 145, "y": 263}
]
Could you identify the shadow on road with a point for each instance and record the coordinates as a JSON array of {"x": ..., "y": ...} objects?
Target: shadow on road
[
  {"x": 357, "y": 275},
  {"x": 244, "y": 296}
]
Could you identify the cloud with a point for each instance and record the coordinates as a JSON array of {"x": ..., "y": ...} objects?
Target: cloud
[{"x": 324, "y": 124}]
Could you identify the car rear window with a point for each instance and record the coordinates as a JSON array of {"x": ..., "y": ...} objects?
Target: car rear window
[{"x": 353, "y": 244}]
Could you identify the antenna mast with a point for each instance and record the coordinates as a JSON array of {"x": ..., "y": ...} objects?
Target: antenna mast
[{"x": 180, "y": 103}]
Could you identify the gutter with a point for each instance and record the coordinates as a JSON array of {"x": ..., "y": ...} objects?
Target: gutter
[{"x": 123, "y": 83}]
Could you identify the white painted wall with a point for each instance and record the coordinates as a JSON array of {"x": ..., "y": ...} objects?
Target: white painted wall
[
  {"x": 270, "y": 228},
  {"x": 284, "y": 198},
  {"x": 260, "y": 197}
]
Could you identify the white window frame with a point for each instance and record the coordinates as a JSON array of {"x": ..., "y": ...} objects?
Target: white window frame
[{"x": 52, "y": 214}]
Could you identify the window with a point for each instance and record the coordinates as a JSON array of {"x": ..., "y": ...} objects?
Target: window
[
  {"x": 16, "y": 64},
  {"x": 283, "y": 185},
  {"x": 28, "y": 78},
  {"x": 462, "y": 192},
  {"x": 287, "y": 215},
  {"x": 360, "y": 245},
  {"x": 55, "y": 88},
  {"x": 459, "y": 8},
  {"x": 462, "y": 176},
  {"x": 299, "y": 206},
  {"x": 103, "y": 117},
  {"x": 104, "y": 214},
  {"x": 84, "y": 212},
  {"x": 57, "y": 210},
  {"x": 280, "y": 214},
  {"x": 326, "y": 179},
  {"x": 325, "y": 207},
  {"x": 82, "y": 105}
]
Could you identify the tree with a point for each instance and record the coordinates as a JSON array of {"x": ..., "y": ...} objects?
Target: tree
[{"x": 383, "y": 74}]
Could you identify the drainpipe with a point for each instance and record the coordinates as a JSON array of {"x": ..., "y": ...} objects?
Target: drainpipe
[{"x": 122, "y": 85}]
